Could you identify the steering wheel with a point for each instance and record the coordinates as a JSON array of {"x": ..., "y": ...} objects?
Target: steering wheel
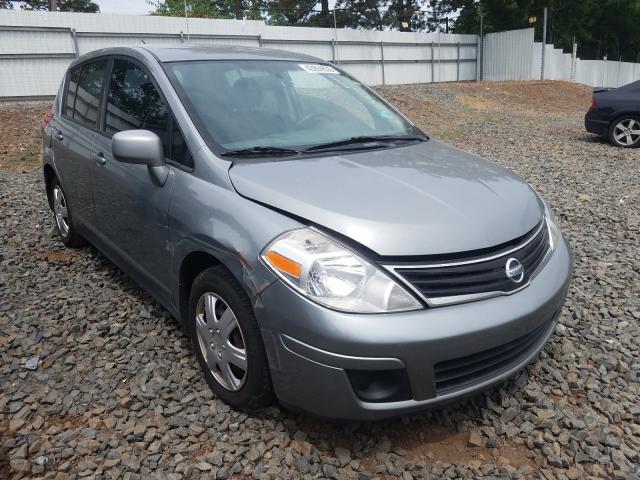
[{"x": 312, "y": 119}]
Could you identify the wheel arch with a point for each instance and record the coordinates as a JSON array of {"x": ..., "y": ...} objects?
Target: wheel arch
[
  {"x": 622, "y": 114},
  {"x": 199, "y": 260},
  {"x": 49, "y": 174},
  {"x": 190, "y": 267}
]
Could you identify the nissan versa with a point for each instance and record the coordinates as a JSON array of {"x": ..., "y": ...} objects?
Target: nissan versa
[{"x": 316, "y": 246}]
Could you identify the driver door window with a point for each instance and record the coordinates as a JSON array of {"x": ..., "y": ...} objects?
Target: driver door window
[{"x": 133, "y": 102}]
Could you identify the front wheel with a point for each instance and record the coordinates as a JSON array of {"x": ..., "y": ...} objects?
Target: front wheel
[
  {"x": 227, "y": 340},
  {"x": 62, "y": 216},
  {"x": 625, "y": 132}
]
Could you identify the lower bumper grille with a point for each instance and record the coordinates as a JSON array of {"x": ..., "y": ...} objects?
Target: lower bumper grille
[{"x": 464, "y": 371}]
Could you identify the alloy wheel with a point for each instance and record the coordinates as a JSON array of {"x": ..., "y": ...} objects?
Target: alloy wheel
[
  {"x": 627, "y": 132},
  {"x": 221, "y": 341},
  {"x": 61, "y": 211}
]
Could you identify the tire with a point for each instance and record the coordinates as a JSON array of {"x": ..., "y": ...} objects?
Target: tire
[
  {"x": 217, "y": 340},
  {"x": 621, "y": 132},
  {"x": 63, "y": 219}
]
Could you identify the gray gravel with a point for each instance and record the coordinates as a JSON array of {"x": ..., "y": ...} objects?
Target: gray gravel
[{"x": 97, "y": 380}]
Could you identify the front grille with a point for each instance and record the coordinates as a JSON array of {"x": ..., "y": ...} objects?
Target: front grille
[
  {"x": 464, "y": 371},
  {"x": 474, "y": 275}
]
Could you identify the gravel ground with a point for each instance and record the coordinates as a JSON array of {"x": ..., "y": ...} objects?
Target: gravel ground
[{"x": 98, "y": 382}]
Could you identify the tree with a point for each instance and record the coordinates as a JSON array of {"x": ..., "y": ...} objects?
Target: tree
[
  {"x": 598, "y": 26},
  {"x": 63, "y": 5},
  {"x": 405, "y": 15},
  {"x": 290, "y": 12},
  {"x": 238, "y": 9},
  {"x": 365, "y": 14}
]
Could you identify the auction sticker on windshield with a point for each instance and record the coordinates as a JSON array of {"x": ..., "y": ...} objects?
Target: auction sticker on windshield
[{"x": 316, "y": 68}]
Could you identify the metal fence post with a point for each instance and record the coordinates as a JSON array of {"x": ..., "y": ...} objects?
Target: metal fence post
[
  {"x": 181, "y": 37},
  {"x": 619, "y": 66},
  {"x": 480, "y": 50},
  {"x": 574, "y": 62},
  {"x": 544, "y": 43},
  {"x": 382, "y": 61},
  {"x": 458, "y": 62},
  {"x": 260, "y": 40},
  {"x": 333, "y": 50},
  {"x": 439, "y": 58},
  {"x": 432, "y": 64},
  {"x": 74, "y": 37}
]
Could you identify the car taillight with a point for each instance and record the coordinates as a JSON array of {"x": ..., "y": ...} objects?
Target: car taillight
[
  {"x": 45, "y": 121},
  {"x": 593, "y": 102}
]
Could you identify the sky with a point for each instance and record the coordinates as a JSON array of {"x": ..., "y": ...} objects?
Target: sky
[{"x": 126, "y": 7}]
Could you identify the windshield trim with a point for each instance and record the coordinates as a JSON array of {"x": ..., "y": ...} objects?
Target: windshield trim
[{"x": 219, "y": 150}]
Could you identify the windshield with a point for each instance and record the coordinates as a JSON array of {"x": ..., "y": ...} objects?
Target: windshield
[{"x": 281, "y": 104}]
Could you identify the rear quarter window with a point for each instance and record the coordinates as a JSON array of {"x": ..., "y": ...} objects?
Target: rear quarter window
[{"x": 70, "y": 94}]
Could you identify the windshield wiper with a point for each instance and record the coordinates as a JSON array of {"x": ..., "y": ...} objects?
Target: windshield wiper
[
  {"x": 380, "y": 141},
  {"x": 258, "y": 150}
]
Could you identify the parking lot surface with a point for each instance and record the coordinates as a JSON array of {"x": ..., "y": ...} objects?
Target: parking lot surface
[{"x": 97, "y": 381}]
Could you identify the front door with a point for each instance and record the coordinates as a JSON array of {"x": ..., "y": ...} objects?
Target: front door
[{"x": 131, "y": 208}]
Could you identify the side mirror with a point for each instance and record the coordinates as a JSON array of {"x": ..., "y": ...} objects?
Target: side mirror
[{"x": 141, "y": 147}]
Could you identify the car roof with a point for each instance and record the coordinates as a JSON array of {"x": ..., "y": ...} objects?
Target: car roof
[
  {"x": 194, "y": 52},
  {"x": 635, "y": 86},
  {"x": 177, "y": 53}
]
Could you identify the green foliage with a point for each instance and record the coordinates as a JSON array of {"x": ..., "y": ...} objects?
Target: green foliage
[
  {"x": 600, "y": 27},
  {"x": 63, "y": 5},
  {"x": 290, "y": 12},
  {"x": 365, "y": 14},
  {"x": 238, "y": 9},
  {"x": 370, "y": 14}
]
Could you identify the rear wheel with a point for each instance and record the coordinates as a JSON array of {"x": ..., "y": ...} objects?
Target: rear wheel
[
  {"x": 227, "y": 340},
  {"x": 62, "y": 216},
  {"x": 625, "y": 132}
]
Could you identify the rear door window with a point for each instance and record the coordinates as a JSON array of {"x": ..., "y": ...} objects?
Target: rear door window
[{"x": 89, "y": 92}]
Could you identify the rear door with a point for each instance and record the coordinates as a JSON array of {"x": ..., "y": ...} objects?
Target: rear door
[
  {"x": 73, "y": 135},
  {"x": 131, "y": 208}
]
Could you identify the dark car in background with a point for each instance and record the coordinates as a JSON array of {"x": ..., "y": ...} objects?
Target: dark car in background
[{"x": 615, "y": 115}]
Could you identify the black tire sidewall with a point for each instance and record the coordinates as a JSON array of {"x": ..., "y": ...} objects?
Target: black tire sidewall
[
  {"x": 73, "y": 239},
  {"x": 256, "y": 391},
  {"x": 616, "y": 122}
]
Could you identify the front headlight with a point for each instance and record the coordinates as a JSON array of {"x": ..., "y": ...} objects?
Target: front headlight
[
  {"x": 334, "y": 276},
  {"x": 552, "y": 226}
]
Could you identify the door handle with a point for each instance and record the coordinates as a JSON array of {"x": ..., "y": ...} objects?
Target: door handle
[
  {"x": 99, "y": 159},
  {"x": 59, "y": 136}
]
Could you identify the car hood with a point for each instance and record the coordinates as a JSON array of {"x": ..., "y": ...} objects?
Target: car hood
[{"x": 421, "y": 199}]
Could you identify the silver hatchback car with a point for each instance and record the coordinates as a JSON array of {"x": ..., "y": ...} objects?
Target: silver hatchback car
[{"x": 316, "y": 246}]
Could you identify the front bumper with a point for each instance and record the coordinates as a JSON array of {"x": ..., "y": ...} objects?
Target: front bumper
[{"x": 312, "y": 349}]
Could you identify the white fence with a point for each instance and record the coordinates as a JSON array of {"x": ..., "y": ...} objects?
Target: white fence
[
  {"x": 514, "y": 55},
  {"x": 508, "y": 55},
  {"x": 606, "y": 73},
  {"x": 37, "y": 47}
]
